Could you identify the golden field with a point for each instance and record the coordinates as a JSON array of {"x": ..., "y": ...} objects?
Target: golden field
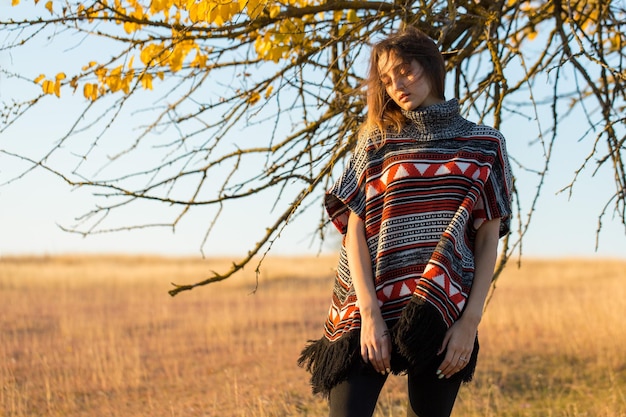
[{"x": 100, "y": 336}]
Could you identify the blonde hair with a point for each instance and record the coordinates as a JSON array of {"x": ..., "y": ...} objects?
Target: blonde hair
[{"x": 409, "y": 44}]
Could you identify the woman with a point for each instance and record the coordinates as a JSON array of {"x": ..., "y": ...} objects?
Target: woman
[{"x": 422, "y": 203}]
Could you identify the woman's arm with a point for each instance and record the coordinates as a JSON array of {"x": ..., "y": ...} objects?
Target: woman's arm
[
  {"x": 375, "y": 341},
  {"x": 459, "y": 339}
]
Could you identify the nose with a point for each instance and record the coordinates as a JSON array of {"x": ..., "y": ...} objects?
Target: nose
[{"x": 397, "y": 83}]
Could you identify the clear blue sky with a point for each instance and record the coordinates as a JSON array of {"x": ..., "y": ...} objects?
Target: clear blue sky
[{"x": 32, "y": 208}]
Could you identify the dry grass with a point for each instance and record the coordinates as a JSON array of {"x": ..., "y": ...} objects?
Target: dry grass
[{"x": 99, "y": 336}]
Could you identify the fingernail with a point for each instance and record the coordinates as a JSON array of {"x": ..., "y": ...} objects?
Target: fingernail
[
  {"x": 441, "y": 376},
  {"x": 438, "y": 371},
  {"x": 388, "y": 370}
]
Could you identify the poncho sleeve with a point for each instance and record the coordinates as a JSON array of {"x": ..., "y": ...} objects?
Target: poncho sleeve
[
  {"x": 348, "y": 192},
  {"x": 497, "y": 193}
]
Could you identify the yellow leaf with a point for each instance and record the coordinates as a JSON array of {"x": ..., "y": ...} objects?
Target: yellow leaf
[
  {"x": 146, "y": 81},
  {"x": 157, "y": 6},
  {"x": 616, "y": 41},
  {"x": 254, "y": 98},
  {"x": 130, "y": 27},
  {"x": 138, "y": 13},
  {"x": 150, "y": 52},
  {"x": 49, "y": 6},
  {"x": 146, "y": 54},
  {"x": 274, "y": 11},
  {"x": 193, "y": 12},
  {"x": 235, "y": 8},
  {"x": 337, "y": 15},
  {"x": 48, "y": 87},
  {"x": 275, "y": 55},
  {"x": 254, "y": 7},
  {"x": 90, "y": 91},
  {"x": 101, "y": 73},
  {"x": 15, "y": 2},
  {"x": 128, "y": 78},
  {"x": 60, "y": 76},
  {"x": 268, "y": 92},
  {"x": 38, "y": 79},
  {"x": 215, "y": 16},
  {"x": 176, "y": 58},
  {"x": 352, "y": 17},
  {"x": 199, "y": 61},
  {"x": 202, "y": 11},
  {"x": 114, "y": 80},
  {"x": 91, "y": 64},
  {"x": 57, "y": 88}
]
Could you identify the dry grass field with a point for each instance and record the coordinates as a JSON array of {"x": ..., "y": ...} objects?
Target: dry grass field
[{"x": 100, "y": 336}]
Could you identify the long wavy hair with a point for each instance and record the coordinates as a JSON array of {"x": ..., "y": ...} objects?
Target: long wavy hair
[{"x": 408, "y": 44}]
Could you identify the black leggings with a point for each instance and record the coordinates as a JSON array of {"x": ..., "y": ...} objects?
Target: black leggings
[{"x": 429, "y": 396}]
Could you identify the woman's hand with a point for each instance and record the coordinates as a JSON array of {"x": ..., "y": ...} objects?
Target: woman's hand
[
  {"x": 458, "y": 344},
  {"x": 375, "y": 342}
]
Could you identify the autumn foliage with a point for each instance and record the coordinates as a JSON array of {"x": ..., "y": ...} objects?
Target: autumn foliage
[{"x": 296, "y": 68}]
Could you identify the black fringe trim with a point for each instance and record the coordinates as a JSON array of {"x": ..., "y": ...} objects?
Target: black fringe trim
[
  {"x": 416, "y": 338},
  {"x": 329, "y": 362}
]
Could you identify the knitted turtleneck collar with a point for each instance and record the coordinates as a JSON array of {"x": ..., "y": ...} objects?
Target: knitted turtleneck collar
[{"x": 436, "y": 122}]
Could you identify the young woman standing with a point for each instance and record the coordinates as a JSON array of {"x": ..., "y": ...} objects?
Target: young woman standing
[{"x": 422, "y": 203}]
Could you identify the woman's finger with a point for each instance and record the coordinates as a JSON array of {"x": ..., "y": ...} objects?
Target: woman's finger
[
  {"x": 453, "y": 363},
  {"x": 373, "y": 360},
  {"x": 379, "y": 355},
  {"x": 386, "y": 352},
  {"x": 364, "y": 353}
]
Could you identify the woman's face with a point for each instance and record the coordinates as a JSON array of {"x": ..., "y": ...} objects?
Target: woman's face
[{"x": 405, "y": 82}]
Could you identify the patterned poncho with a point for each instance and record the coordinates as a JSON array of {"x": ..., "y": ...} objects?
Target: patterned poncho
[{"x": 422, "y": 196}]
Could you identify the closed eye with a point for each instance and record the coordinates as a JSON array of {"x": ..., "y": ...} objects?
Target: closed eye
[{"x": 404, "y": 69}]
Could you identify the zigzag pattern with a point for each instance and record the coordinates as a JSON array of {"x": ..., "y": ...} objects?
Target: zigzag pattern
[
  {"x": 420, "y": 198},
  {"x": 408, "y": 170}
]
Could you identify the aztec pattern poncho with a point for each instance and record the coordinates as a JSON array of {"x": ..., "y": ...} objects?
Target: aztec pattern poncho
[{"x": 422, "y": 196}]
